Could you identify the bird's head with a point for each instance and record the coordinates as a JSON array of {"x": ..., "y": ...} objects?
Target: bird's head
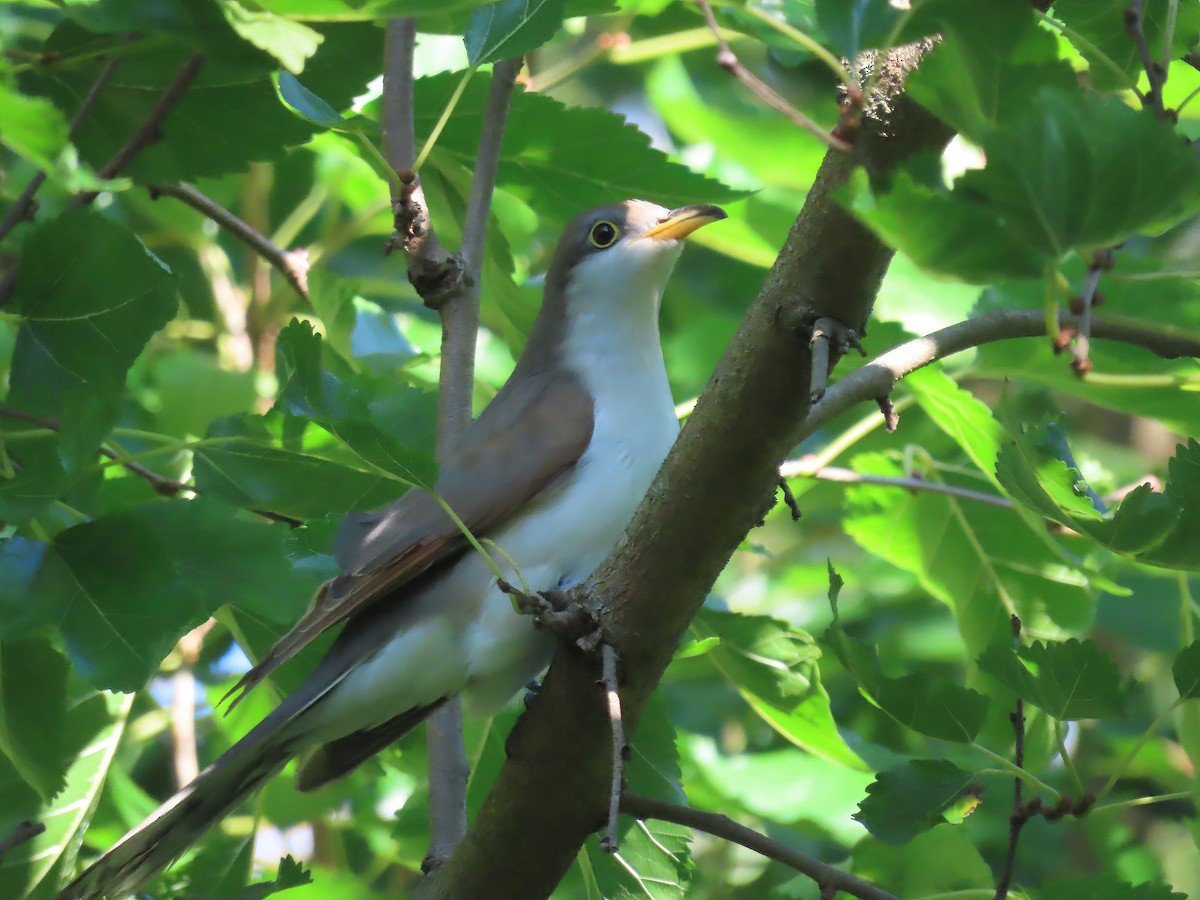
[{"x": 621, "y": 255}]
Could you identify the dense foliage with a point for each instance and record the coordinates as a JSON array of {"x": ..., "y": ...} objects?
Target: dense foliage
[{"x": 183, "y": 427}]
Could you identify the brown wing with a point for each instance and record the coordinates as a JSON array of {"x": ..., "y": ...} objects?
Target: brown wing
[{"x": 532, "y": 432}]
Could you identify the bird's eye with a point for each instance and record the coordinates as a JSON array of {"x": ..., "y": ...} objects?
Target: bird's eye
[{"x": 604, "y": 235}]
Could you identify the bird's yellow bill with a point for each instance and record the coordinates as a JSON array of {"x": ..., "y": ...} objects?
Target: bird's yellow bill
[{"x": 681, "y": 222}]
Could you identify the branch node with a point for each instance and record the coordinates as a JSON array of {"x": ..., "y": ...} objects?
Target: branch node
[
  {"x": 789, "y": 499},
  {"x": 891, "y": 418}
]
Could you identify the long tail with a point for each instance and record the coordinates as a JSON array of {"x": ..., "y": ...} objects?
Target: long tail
[{"x": 179, "y": 822}]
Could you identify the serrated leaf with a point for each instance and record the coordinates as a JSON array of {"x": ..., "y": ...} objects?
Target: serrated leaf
[
  {"x": 1186, "y": 671},
  {"x": 128, "y": 585},
  {"x": 983, "y": 562},
  {"x": 568, "y": 158},
  {"x": 343, "y": 409},
  {"x": 774, "y": 668},
  {"x": 1154, "y": 528},
  {"x": 919, "y": 700},
  {"x": 90, "y": 296},
  {"x": 511, "y": 28},
  {"x": 1067, "y": 679},
  {"x": 36, "y": 868},
  {"x": 911, "y": 798},
  {"x": 290, "y": 42},
  {"x": 1060, "y": 189},
  {"x": 1100, "y": 33},
  {"x": 291, "y": 875},
  {"x": 988, "y": 62}
]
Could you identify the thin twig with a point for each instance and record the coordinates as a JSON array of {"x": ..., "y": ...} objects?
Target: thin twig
[
  {"x": 183, "y": 704},
  {"x": 877, "y": 377},
  {"x": 168, "y": 487},
  {"x": 1020, "y": 813},
  {"x": 801, "y": 468},
  {"x": 724, "y": 827},
  {"x": 608, "y": 656},
  {"x": 150, "y": 130},
  {"x": 292, "y": 264},
  {"x": 1156, "y": 75},
  {"x": 728, "y": 61},
  {"x": 789, "y": 499},
  {"x": 25, "y": 831},
  {"x": 23, "y": 208}
]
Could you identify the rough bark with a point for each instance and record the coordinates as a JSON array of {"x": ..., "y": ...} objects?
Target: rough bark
[{"x": 714, "y": 486}]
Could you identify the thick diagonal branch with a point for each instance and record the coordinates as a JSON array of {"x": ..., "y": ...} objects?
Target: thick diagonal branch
[{"x": 553, "y": 790}]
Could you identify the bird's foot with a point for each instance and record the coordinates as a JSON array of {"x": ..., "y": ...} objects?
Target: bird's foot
[{"x": 557, "y": 610}]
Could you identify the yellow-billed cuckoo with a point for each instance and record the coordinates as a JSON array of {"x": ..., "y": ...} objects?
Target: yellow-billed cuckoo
[{"x": 552, "y": 471}]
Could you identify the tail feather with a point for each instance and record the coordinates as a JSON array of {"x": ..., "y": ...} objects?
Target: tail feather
[{"x": 179, "y": 822}]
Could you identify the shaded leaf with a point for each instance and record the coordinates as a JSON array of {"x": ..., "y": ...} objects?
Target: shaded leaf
[
  {"x": 919, "y": 700},
  {"x": 774, "y": 668},
  {"x": 90, "y": 296},
  {"x": 856, "y": 25},
  {"x": 1100, "y": 34},
  {"x": 511, "y": 28},
  {"x": 906, "y": 870},
  {"x": 911, "y": 798},
  {"x": 127, "y": 586},
  {"x": 1186, "y": 671},
  {"x": 1067, "y": 679},
  {"x": 33, "y": 710},
  {"x": 1110, "y": 887}
]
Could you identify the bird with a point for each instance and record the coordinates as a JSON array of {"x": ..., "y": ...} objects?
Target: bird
[{"x": 551, "y": 471}]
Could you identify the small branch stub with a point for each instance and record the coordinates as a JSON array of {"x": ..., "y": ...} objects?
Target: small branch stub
[
  {"x": 435, "y": 272},
  {"x": 611, "y": 841},
  {"x": 891, "y": 418}
]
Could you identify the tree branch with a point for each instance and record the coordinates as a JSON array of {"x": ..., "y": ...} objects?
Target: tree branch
[
  {"x": 150, "y": 130},
  {"x": 23, "y": 207},
  {"x": 1156, "y": 75},
  {"x": 168, "y": 487},
  {"x": 878, "y": 377},
  {"x": 553, "y": 790},
  {"x": 728, "y": 61},
  {"x": 292, "y": 264},
  {"x": 826, "y": 876},
  {"x": 800, "y": 468}
]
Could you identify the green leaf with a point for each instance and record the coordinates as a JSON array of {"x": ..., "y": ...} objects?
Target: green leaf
[
  {"x": 1060, "y": 189},
  {"x": 982, "y": 562},
  {"x": 291, "y": 875},
  {"x": 856, "y": 25},
  {"x": 234, "y": 93},
  {"x": 568, "y": 158},
  {"x": 292, "y": 43},
  {"x": 1186, "y": 671},
  {"x": 90, "y": 295},
  {"x": 990, "y": 59},
  {"x": 654, "y": 859},
  {"x": 36, "y": 868},
  {"x": 911, "y": 798},
  {"x": 343, "y": 408},
  {"x": 928, "y": 224},
  {"x": 128, "y": 585},
  {"x": 1110, "y": 887},
  {"x": 906, "y": 870},
  {"x": 20, "y": 559},
  {"x": 1067, "y": 679},
  {"x": 308, "y": 105},
  {"x": 32, "y": 127},
  {"x": 511, "y": 28},
  {"x": 774, "y": 668},
  {"x": 961, "y": 415},
  {"x": 921, "y": 701},
  {"x": 1098, "y": 30},
  {"x": 33, "y": 698},
  {"x": 1154, "y": 528}
]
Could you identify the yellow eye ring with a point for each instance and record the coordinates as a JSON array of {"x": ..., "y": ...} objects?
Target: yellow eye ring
[{"x": 603, "y": 235}]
